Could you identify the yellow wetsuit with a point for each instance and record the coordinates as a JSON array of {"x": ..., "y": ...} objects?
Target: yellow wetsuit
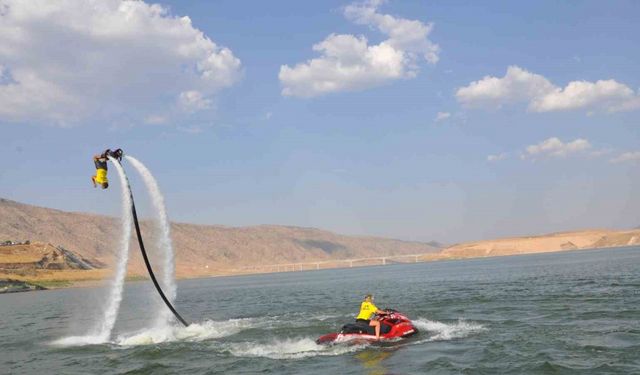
[
  {"x": 101, "y": 171},
  {"x": 367, "y": 310},
  {"x": 101, "y": 176}
]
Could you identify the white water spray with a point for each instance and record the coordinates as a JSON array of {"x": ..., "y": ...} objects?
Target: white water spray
[
  {"x": 162, "y": 241},
  {"x": 101, "y": 332},
  {"x": 104, "y": 328}
]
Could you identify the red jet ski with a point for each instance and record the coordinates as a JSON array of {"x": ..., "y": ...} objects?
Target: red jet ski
[{"x": 393, "y": 325}]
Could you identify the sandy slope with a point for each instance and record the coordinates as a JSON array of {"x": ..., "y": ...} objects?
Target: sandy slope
[
  {"x": 586, "y": 239},
  {"x": 200, "y": 249},
  {"x": 215, "y": 250}
]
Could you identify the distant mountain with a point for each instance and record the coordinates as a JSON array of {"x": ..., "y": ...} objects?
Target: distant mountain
[
  {"x": 200, "y": 249},
  {"x": 563, "y": 241},
  {"x": 436, "y": 244}
]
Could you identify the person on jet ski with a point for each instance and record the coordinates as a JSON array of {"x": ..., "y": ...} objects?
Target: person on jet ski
[
  {"x": 367, "y": 311},
  {"x": 100, "y": 161}
]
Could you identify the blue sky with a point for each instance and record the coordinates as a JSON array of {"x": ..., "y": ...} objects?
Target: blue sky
[{"x": 440, "y": 120}]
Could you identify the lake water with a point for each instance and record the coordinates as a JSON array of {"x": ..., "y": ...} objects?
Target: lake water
[{"x": 563, "y": 313}]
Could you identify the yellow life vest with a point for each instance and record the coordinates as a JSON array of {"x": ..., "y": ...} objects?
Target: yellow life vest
[{"x": 367, "y": 309}]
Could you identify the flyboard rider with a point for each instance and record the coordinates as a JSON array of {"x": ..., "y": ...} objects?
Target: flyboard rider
[
  {"x": 100, "y": 161},
  {"x": 367, "y": 311}
]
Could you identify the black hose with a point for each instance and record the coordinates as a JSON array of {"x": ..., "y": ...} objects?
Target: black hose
[{"x": 146, "y": 258}]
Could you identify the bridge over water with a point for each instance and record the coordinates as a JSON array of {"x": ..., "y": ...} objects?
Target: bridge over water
[{"x": 335, "y": 263}]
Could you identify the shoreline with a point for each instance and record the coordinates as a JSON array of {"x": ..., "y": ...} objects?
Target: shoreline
[{"x": 55, "y": 284}]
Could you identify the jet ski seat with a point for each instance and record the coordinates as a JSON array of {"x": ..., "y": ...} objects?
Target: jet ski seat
[{"x": 362, "y": 328}]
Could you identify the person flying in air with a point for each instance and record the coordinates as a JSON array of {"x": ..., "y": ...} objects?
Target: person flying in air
[
  {"x": 100, "y": 161},
  {"x": 367, "y": 311}
]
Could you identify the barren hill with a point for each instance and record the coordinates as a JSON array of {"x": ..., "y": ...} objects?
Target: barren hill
[
  {"x": 576, "y": 240},
  {"x": 200, "y": 249}
]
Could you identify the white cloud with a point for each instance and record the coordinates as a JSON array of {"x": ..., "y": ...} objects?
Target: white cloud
[
  {"x": 64, "y": 61},
  {"x": 407, "y": 35},
  {"x": 582, "y": 94},
  {"x": 192, "y": 101},
  {"x": 627, "y": 157},
  {"x": 497, "y": 157},
  {"x": 349, "y": 63},
  {"x": 630, "y": 104},
  {"x": 519, "y": 85},
  {"x": 554, "y": 147},
  {"x": 441, "y": 116}
]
